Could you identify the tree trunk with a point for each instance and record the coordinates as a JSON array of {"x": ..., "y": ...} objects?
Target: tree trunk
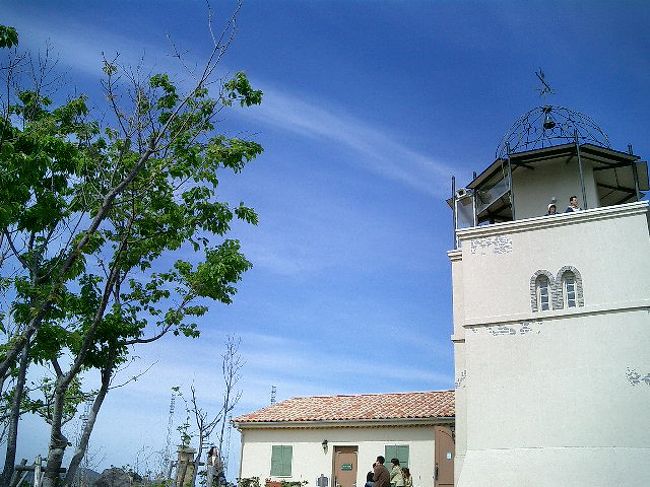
[
  {"x": 90, "y": 424},
  {"x": 12, "y": 433},
  {"x": 197, "y": 459},
  {"x": 58, "y": 441}
]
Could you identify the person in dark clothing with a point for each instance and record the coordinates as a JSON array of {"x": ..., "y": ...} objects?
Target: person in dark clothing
[
  {"x": 573, "y": 205},
  {"x": 369, "y": 479},
  {"x": 381, "y": 475}
]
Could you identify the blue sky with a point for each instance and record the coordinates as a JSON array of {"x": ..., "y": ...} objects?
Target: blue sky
[{"x": 369, "y": 108}]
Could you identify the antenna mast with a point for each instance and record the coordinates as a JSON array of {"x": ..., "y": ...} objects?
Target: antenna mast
[{"x": 170, "y": 425}]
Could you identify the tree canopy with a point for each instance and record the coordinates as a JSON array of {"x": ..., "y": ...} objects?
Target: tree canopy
[{"x": 112, "y": 231}]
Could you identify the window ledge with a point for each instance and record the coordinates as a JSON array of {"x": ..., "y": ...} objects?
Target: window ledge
[{"x": 560, "y": 313}]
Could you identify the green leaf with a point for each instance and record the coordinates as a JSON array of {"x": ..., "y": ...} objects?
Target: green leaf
[
  {"x": 239, "y": 88},
  {"x": 8, "y": 36}
]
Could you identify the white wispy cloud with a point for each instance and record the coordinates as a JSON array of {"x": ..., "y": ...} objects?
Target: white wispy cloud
[
  {"x": 85, "y": 57},
  {"x": 295, "y": 364},
  {"x": 305, "y": 363},
  {"x": 375, "y": 148}
]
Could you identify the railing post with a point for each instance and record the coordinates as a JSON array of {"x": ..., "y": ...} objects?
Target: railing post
[
  {"x": 512, "y": 190},
  {"x": 635, "y": 172},
  {"x": 453, "y": 207},
  {"x": 582, "y": 177}
]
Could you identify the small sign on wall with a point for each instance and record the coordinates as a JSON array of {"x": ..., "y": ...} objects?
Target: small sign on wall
[{"x": 346, "y": 466}]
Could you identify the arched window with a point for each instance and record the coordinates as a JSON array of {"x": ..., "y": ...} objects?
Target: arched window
[
  {"x": 543, "y": 291},
  {"x": 569, "y": 283}
]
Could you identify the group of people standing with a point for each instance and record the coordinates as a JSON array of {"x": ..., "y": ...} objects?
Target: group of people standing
[
  {"x": 573, "y": 206},
  {"x": 382, "y": 477}
]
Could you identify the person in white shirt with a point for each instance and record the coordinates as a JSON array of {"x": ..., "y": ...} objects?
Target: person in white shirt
[{"x": 573, "y": 205}]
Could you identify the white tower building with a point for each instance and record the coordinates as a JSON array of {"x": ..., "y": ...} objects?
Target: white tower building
[{"x": 552, "y": 313}]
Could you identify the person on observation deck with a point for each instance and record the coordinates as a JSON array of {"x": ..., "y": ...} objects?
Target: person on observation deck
[{"x": 573, "y": 205}]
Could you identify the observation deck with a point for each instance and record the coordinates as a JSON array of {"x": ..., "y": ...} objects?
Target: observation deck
[{"x": 549, "y": 155}]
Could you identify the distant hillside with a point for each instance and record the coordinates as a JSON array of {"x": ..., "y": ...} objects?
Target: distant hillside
[{"x": 90, "y": 475}]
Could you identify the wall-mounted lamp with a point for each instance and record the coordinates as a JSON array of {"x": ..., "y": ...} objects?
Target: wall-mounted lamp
[{"x": 324, "y": 445}]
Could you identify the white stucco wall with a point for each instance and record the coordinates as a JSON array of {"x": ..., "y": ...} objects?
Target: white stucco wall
[
  {"x": 563, "y": 384},
  {"x": 309, "y": 461},
  {"x": 458, "y": 339},
  {"x": 554, "y": 397},
  {"x": 606, "y": 248}
]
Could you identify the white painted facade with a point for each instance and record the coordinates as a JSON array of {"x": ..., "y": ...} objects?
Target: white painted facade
[
  {"x": 558, "y": 397},
  {"x": 310, "y": 461}
]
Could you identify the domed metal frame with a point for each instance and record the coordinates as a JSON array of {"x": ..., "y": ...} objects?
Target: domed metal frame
[{"x": 550, "y": 125}]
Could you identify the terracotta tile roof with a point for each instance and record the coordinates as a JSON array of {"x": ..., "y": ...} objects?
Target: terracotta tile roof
[{"x": 403, "y": 405}]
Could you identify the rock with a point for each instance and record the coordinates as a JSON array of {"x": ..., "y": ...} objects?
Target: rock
[{"x": 117, "y": 477}]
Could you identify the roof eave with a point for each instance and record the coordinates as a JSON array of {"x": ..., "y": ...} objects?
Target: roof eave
[
  {"x": 551, "y": 152},
  {"x": 355, "y": 423}
]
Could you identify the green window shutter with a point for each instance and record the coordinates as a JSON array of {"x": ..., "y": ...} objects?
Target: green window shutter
[
  {"x": 391, "y": 452},
  {"x": 276, "y": 453},
  {"x": 401, "y": 452},
  {"x": 286, "y": 460},
  {"x": 403, "y": 455},
  {"x": 281, "y": 460}
]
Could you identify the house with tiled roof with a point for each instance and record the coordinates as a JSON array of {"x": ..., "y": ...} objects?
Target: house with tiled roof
[{"x": 339, "y": 437}]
